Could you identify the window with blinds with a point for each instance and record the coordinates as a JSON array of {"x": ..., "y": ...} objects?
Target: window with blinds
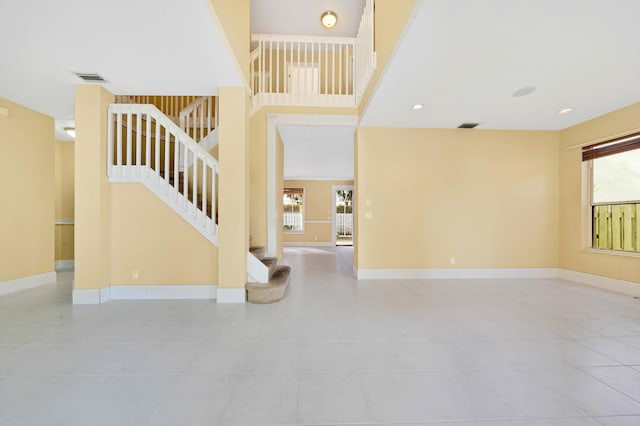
[{"x": 615, "y": 193}]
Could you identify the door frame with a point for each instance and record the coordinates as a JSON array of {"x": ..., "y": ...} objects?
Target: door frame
[{"x": 334, "y": 213}]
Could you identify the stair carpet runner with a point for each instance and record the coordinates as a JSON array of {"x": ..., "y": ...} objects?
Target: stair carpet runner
[{"x": 275, "y": 289}]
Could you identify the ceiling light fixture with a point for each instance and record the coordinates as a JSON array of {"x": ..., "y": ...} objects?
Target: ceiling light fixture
[
  {"x": 71, "y": 131},
  {"x": 329, "y": 19},
  {"x": 565, "y": 111},
  {"x": 417, "y": 107}
]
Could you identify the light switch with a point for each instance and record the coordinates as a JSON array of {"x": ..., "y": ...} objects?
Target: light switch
[
  {"x": 367, "y": 201},
  {"x": 368, "y": 215}
]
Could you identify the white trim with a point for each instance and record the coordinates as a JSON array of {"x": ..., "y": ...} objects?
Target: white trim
[
  {"x": 65, "y": 264},
  {"x": 231, "y": 295},
  {"x": 91, "y": 296},
  {"x": 350, "y": 120},
  {"x": 350, "y": 179},
  {"x": 272, "y": 210},
  {"x": 14, "y": 286},
  {"x": 470, "y": 273},
  {"x": 65, "y": 222},
  {"x": 611, "y": 284},
  {"x": 317, "y": 221},
  {"x": 309, "y": 244},
  {"x": 162, "y": 292}
]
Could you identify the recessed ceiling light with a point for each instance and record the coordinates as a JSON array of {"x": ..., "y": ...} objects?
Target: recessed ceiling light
[
  {"x": 417, "y": 107},
  {"x": 70, "y": 131},
  {"x": 524, "y": 91},
  {"x": 565, "y": 111},
  {"x": 329, "y": 19},
  {"x": 307, "y": 135}
]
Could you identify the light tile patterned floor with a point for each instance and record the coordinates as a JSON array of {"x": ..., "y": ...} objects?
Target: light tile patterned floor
[{"x": 334, "y": 351}]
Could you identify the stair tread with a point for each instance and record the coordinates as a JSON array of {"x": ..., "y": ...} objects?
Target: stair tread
[
  {"x": 272, "y": 291},
  {"x": 257, "y": 251}
]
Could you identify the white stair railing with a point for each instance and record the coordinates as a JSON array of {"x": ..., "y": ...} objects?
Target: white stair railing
[
  {"x": 199, "y": 119},
  {"x": 302, "y": 70},
  {"x": 296, "y": 70},
  {"x": 365, "y": 61},
  {"x": 169, "y": 105},
  {"x": 145, "y": 146}
]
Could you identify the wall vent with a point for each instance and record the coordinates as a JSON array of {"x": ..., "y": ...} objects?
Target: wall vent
[
  {"x": 468, "y": 125},
  {"x": 90, "y": 77}
]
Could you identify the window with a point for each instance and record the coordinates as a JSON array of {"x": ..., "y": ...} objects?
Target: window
[
  {"x": 614, "y": 168},
  {"x": 293, "y": 206}
]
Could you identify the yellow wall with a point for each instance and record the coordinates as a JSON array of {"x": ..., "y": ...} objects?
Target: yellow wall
[
  {"x": 64, "y": 169},
  {"x": 487, "y": 198},
  {"x": 234, "y": 16},
  {"x": 233, "y": 185},
  {"x": 92, "y": 189},
  {"x": 27, "y": 185},
  {"x": 391, "y": 18},
  {"x": 318, "y": 206},
  {"x": 573, "y": 255},
  {"x": 148, "y": 237}
]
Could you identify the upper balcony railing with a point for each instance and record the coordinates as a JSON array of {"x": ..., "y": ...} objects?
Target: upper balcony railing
[{"x": 313, "y": 71}]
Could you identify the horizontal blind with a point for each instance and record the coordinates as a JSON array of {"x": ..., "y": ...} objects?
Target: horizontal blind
[{"x": 611, "y": 147}]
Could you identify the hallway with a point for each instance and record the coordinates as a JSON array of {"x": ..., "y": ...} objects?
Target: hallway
[{"x": 334, "y": 351}]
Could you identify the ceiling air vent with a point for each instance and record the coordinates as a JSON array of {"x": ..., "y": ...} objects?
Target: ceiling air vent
[
  {"x": 468, "y": 125},
  {"x": 90, "y": 77}
]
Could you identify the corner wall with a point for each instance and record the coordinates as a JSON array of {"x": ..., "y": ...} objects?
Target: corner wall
[
  {"x": 572, "y": 250},
  {"x": 27, "y": 215},
  {"x": 64, "y": 201}
]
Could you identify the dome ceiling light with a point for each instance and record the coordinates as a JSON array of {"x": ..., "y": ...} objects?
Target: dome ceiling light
[{"x": 329, "y": 19}]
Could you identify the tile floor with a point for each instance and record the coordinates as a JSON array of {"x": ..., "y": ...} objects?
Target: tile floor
[{"x": 334, "y": 351}]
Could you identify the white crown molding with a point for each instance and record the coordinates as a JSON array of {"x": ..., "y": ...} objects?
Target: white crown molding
[
  {"x": 20, "y": 284},
  {"x": 474, "y": 273},
  {"x": 313, "y": 119}
]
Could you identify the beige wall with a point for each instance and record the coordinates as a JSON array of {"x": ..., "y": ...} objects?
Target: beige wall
[
  {"x": 64, "y": 170},
  {"x": 487, "y": 198},
  {"x": 148, "y": 237},
  {"x": 92, "y": 189},
  {"x": 234, "y": 16},
  {"x": 27, "y": 185},
  {"x": 318, "y": 206},
  {"x": 573, "y": 255},
  {"x": 391, "y": 18}
]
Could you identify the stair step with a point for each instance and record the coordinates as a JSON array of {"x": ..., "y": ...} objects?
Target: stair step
[
  {"x": 271, "y": 263},
  {"x": 257, "y": 251},
  {"x": 270, "y": 292}
]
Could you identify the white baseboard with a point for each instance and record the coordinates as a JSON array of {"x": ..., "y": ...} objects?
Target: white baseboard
[
  {"x": 162, "y": 292},
  {"x": 231, "y": 295},
  {"x": 467, "y": 273},
  {"x": 611, "y": 284},
  {"x": 91, "y": 296},
  {"x": 14, "y": 286},
  {"x": 143, "y": 292},
  {"x": 64, "y": 265},
  {"x": 310, "y": 244}
]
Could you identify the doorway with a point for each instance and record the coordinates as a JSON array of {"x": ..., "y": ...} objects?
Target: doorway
[{"x": 343, "y": 215}]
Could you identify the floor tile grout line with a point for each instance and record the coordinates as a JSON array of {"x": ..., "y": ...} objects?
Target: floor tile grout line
[{"x": 637, "y": 401}]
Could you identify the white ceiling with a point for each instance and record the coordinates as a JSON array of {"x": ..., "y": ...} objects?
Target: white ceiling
[
  {"x": 303, "y": 17},
  {"x": 319, "y": 152},
  {"x": 464, "y": 59},
  {"x": 161, "y": 47}
]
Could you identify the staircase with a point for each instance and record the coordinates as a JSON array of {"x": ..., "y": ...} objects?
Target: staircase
[
  {"x": 145, "y": 146},
  {"x": 277, "y": 283}
]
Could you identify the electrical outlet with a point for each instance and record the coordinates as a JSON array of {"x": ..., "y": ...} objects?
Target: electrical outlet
[
  {"x": 135, "y": 275},
  {"x": 452, "y": 260}
]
